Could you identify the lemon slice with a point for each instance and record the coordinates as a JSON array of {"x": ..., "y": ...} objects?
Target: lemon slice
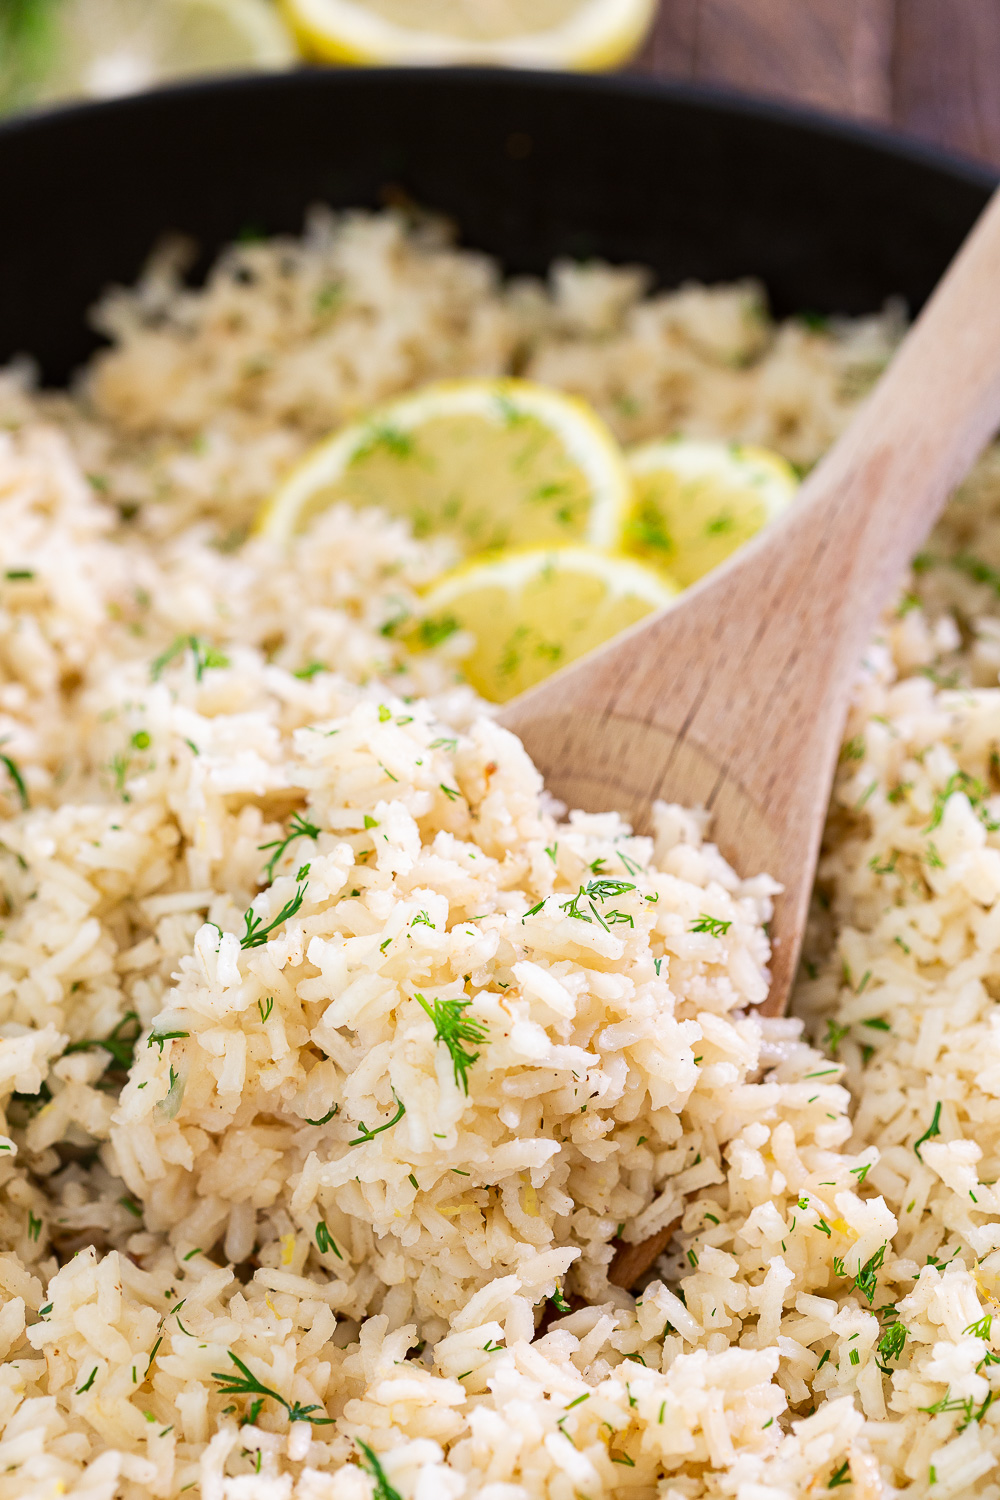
[
  {"x": 488, "y": 462},
  {"x": 530, "y": 611},
  {"x": 695, "y": 502},
  {"x": 525, "y": 33},
  {"x": 103, "y": 48}
]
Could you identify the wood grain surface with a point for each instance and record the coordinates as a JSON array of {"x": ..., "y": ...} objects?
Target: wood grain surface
[{"x": 929, "y": 67}]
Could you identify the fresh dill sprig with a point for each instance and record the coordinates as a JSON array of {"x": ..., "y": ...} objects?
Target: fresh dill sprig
[
  {"x": 369, "y": 1462},
  {"x": 964, "y": 1404},
  {"x": 890, "y": 1345},
  {"x": 866, "y": 1278},
  {"x": 603, "y": 890},
  {"x": 257, "y": 934},
  {"x": 120, "y": 1042},
  {"x": 325, "y": 1240},
  {"x": 714, "y": 926},
  {"x": 247, "y": 1384},
  {"x": 933, "y": 1129},
  {"x": 982, "y": 1328},
  {"x": 835, "y": 1034},
  {"x": 158, "y": 1038},
  {"x": 14, "y": 772},
  {"x": 298, "y": 828},
  {"x": 327, "y": 1117},
  {"x": 961, "y": 781},
  {"x": 204, "y": 655},
  {"x": 453, "y": 1027},
  {"x": 596, "y": 890},
  {"x": 369, "y": 1135}
]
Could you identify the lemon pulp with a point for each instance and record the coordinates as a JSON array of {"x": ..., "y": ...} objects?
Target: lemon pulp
[
  {"x": 694, "y": 502},
  {"x": 540, "y": 33},
  {"x": 487, "y": 462},
  {"x": 531, "y": 611}
]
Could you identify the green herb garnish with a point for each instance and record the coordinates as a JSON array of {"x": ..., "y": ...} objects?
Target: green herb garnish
[
  {"x": 298, "y": 828},
  {"x": 247, "y": 1384},
  {"x": 256, "y": 933},
  {"x": 712, "y": 925},
  {"x": 453, "y": 1027},
  {"x": 369, "y": 1135}
]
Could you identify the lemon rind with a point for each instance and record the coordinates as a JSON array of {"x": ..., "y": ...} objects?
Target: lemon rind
[
  {"x": 735, "y": 465},
  {"x": 600, "y": 35},
  {"x": 587, "y": 442},
  {"x": 518, "y": 566}
]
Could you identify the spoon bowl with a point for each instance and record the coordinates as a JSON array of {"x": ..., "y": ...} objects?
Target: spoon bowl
[{"x": 734, "y": 698}]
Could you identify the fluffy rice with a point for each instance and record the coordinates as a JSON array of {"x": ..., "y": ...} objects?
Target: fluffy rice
[{"x": 396, "y": 1271}]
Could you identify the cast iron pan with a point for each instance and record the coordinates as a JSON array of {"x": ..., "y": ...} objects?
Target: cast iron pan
[{"x": 530, "y": 166}]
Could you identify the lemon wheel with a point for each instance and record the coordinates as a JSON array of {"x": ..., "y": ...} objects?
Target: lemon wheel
[
  {"x": 531, "y": 611},
  {"x": 695, "y": 502},
  {"x": 488, "y": 462},
  {"x": 527, "y": 33}
]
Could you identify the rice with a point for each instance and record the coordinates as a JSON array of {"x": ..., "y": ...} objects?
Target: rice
[{"x": 337, "y": 1058}]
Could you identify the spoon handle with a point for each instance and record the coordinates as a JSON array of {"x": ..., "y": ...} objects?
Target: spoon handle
[
  {"x": 735, "y": 698},
  {"x": 872, "y": 501}
]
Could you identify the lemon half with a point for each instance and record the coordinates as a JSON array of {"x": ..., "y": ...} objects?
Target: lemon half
[
  {"x": 695, "y": 502},
  {"x": 487, "y": 462},
  {"x": 525, "y": 33},
  {"x": 533, "y": 610}
]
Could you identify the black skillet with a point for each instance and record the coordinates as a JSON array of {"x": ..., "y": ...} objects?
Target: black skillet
[{"x": 831, "y": 217}]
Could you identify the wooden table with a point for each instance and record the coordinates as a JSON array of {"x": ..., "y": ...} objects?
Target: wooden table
[{"x": 929, "y": 67}]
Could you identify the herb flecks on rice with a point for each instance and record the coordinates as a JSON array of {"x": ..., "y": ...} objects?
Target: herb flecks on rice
[{"x": 337, "y": 1062}]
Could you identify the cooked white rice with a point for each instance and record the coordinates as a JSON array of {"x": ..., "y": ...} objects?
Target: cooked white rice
[{"x": 292, "y": 1175}]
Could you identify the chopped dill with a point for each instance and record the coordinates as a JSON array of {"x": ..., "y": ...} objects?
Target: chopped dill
[
  {"x": 327, "y": 1117},
  {"x": 247, "y": 1384},
  {"x": 975, "y": 791},
  {"x": 256, "y": 933},
  {"x": 982, "y": 1328},
  {"x": 369, "y": 1135},
  {"x": 204, "y": 656},
  {"x": 835, "y": 1034},
  {"x": 933, "y": 1129},
  {"x": 383, "y": 436},
  {"x": 298, "y": 828},
  {"x": 159, "y": 1037},
  {"x": 325, "y": 1240},
  {"x": 453, "y": 1028},
  {"x": 120, "y": 1042},
  {"x": 369, "y": 1462},
  {"x": 14, "y": 772},
  {"x": 712, "y": 925},
  {"x": 431, "y": 632},
  {"x": 890, "y": 1345}
]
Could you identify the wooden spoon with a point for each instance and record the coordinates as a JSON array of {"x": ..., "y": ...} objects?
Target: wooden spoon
[{"x": 734, "y": 699}]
